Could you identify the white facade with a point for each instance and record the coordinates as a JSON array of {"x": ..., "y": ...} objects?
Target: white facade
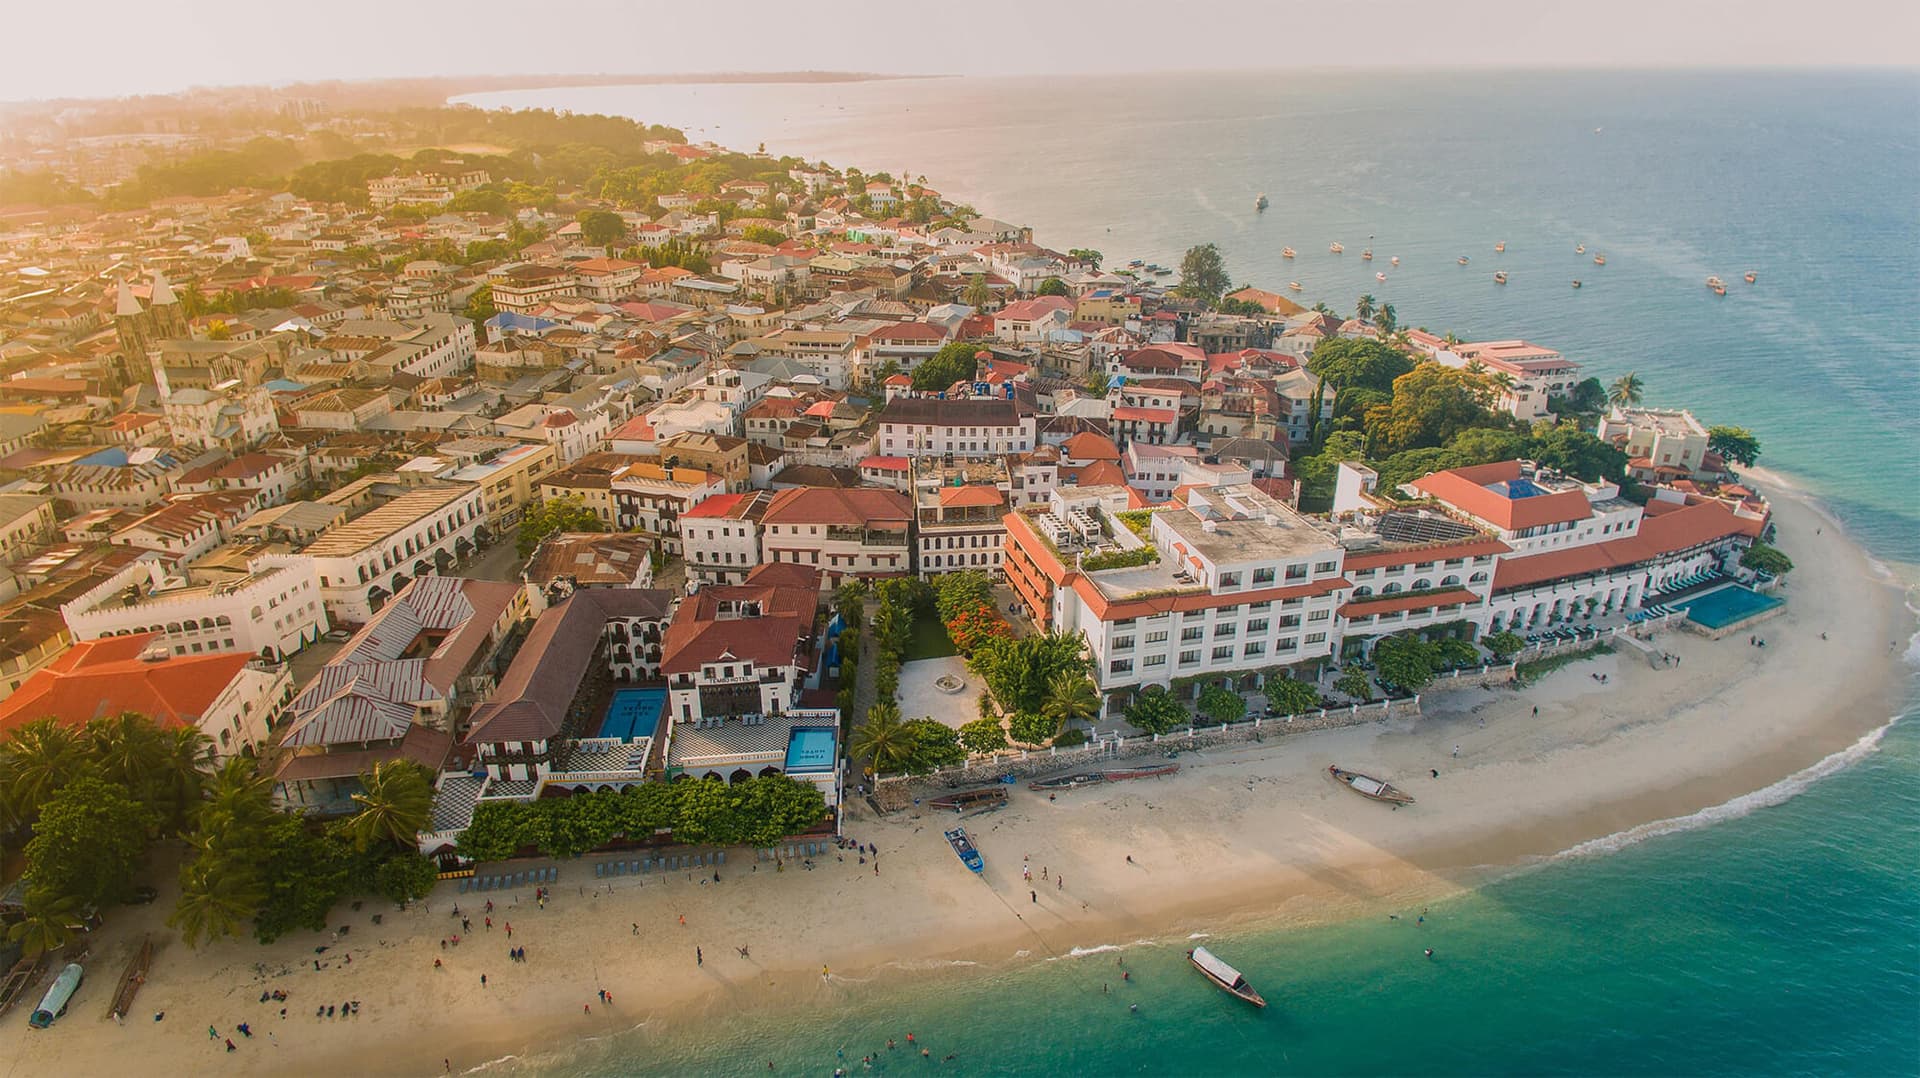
[
  {"x": 365, "y": 561},
  {"x": 275, "y": 610}
]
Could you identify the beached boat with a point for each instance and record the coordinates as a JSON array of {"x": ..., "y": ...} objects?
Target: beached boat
[
  {"x": 54, "y": 1003},
  {"x": 1500, "y": 277},
  {"x": 1293, "y": 285},
  {"x": 1715, "y": 282},
  {"x": 1500, "y": 248},
  {"x": 1226, "y": 977},
  {"x": 966, "y": 802},
  {"x": 1368, "y": 786},
  {"x": 1335, "y": 248},
  {"x": 963, "y": 848},
  {"x": 1366, "y": 255},
  {"x": 1260, "y": 203},
  {"x": 1068, "y": 782},
  {"x": 1286, "y": 252},
  {"x": 1139, "y": 771},
  {"x": 1599, "y": 260},
  {"x": 1750, "y": 277},
  {"x": 1136, "y": 263},
  {"x": 1379, "y": 276},
  {"x": 1162, "y": 271}
]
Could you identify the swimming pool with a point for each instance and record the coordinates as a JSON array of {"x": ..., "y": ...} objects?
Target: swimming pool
[
  {"x": 811, "y": 748},
  {"x": 632, "y": 713},
  {"x": 1722, "y": 607}
]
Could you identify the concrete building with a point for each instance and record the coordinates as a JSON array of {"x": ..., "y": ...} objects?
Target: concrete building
[
  {"x": 1661, "y": 444},
  {"x": 273, "y": 610},
  {"x": 721, "y": 536},
  {"x": 914, "y": 426},
  {"x": 735, "y": 652},
  {"x": 367, "y": 560},
  {"x": 858, "y": 533},
  {"x": 26, "y": 524}
]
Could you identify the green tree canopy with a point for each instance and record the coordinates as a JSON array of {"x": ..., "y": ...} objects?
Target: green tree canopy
[
  {"x": 1354, "y": 684},
  {"x": 1290, "y": 696},
  {"x": 1431, "y": 404},
  {"x": 1737, "y": 444},
  {"x": 393, "y": 806},
  {"x": 1203, "y": 273},
  {"x": 1626, "y": 390},
  {"x": 601, "y": 227},
  {"x": 87, "y": 842},
  {"x": 983, "y": 736},
  {"x": 1767, "y": 559},
  {"x": 565, "y": 514},
  {"x": 1221, "y": 704},
  {"x": 1086, "y": 254},
  {"x": 1052, "y": 286},
  {"x": 1406, "y": 662},
  {"x": 1358, "y": 363},
  {"x": 1504, "y": 644},
  {"x": 1032, "y": 727},
  {"x": 1155, "y": 711},
  {"x": 954, "y": 362},
  {"x": 978, "y": 293}
]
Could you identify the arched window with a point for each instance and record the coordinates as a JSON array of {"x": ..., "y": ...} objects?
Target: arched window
[
  {"x": 1362, "y": 591},
  {"x": 1391, "y": 589},
  {"x": 1422, "y": 584},
  {"x": 1450, "y": 582},
  {"x": 1477, "y": 578}
]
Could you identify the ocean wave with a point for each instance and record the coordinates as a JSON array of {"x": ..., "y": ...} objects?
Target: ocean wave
[
  {"x": 1200, "y": 935},
  {"x": 1765, "y": 797},
  {"x": 1082, "y": 952}
]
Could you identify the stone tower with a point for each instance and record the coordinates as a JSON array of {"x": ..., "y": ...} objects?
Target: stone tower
[{"x": 141, "y": 329}]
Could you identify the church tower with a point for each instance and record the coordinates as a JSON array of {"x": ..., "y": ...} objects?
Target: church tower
[{"x": 141, "y": 329}]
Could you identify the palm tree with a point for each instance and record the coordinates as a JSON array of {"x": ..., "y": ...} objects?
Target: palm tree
[
  {"x": 215, "y": 899},
  {"x": 396, "y": 804},
  {"x": 1363, "y": 310},
  {"x": 1320, "y": 307},
  {"x": 1385, "y": 320},
  {"x": 1070, "y": 696},
  {"x": 1626, "y": 390},
  {"x": 881, "y": 736},
  {"x": 180, "y": 776},
  {"x": 39, "y": 758},
  {"x": 1450, "y": 339},
  {"x": 48, "y": 922}
]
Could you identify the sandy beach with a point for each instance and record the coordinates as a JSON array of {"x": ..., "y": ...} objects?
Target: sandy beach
[{"x": 1252, "y": 832}]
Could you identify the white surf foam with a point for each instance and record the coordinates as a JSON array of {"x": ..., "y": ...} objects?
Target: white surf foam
[{"x": 1765, "y": 797}]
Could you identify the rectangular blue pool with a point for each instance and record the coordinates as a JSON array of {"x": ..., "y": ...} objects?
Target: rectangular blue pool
[
  {"x": 811, "y": 748},
  {"x": 632, "y": 713},
  {"x": 1722, "y": 607}
]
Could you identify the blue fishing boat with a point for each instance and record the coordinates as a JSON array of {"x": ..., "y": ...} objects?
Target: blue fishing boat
[{"x": 963, "y": 848}]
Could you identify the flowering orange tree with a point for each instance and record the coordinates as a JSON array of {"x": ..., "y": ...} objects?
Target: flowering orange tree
[{"x": 971, "y": 628}]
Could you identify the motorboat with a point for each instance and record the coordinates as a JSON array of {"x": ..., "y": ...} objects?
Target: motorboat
[
  {"x": 1751, "y": 277},
  {"x": 1580, "y": 249},
  {"x": 1366, "y": 255},
  {"x": 1334, "y": 248},
  {"x": 1369, "y": 787},
  {"x": 1379, "y": 276},
  {"x": 1228, "y": 979},
  {"x": 1286, "y": 252},
  {"x": 1599, "y": 260},
  {"x": 1140, "y": 771},
  {"x": 1576, "y": 282},
  {"x": 1293, "y": 286},
  {"x": 963, "y": 848},
  {"x": 968, "y": 802},
  {"x": 1715, "y": 282},
  {"x": 1395, "y": 260},
  {"x": 1260, "y": 203},
  {"x": 1500, "y": 277},
  {"x": 1500, "y": 248},
  {"x": 1464, "y": 260},
  {"x": 1068, "y": 782}
]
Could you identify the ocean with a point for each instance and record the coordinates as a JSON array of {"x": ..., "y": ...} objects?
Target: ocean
[{"x": 1779, "y": 934}]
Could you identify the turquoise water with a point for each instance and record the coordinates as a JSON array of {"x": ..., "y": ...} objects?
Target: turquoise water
[
  {"x": 1778, "y": 935},
  {"x": 1724, "y": 606},
  {"x": 633, "y": 713}
]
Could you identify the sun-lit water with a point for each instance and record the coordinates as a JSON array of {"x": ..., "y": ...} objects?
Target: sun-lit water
[{"x": 1782, "y": 939}]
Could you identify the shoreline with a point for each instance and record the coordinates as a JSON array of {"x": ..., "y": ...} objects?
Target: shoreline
[{"x": 1650, "y": 751}]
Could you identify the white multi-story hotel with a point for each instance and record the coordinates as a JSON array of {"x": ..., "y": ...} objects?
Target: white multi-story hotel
[
  {"x": 722, "y": 536},
  {"x": 272, "y": 611},
  {"x": 367, "y": 560},
  {"x": 911, "y": 426}
]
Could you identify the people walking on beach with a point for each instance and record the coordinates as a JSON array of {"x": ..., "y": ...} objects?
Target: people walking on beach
[
  {"x": 1043, "y": 872},
  {"x": 1035, "y": 896},
  {"x": 1456, "y": 752},
  {"x": 699, "y": 957},
  {"x": 230, "y": 1046},
  {"x": 1436, "y": 772},
  {"x": 483, "y": 980},
  {"x": 683, "y": 920},
  {"x": 636, "y": 929},
  {"x": 1060, "y": 883}
]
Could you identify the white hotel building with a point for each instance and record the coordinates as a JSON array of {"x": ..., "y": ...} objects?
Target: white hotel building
[
  {"x": 367, "y": 560},
  {"x": 273, "y": 611}
]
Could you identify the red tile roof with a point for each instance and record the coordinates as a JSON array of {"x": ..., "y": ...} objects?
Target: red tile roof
[
  {"x": 1090, "y": 446},
  {"x": 1466, "y": 489},
  {"x": 102, "y": 677},
  {"x": 1666, "y": 533},
  {"x": 973, "y": 494},
  {"x": 700, "y": 634},
  {"x": 827, "y": 505}
]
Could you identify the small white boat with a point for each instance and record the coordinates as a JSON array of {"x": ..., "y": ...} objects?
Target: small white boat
[
  {"x": 1501, "y": 247},
  {"x": 1395, "y": 260},
  {"x": 1580, "y": 249},
  {"x": 1715, "y": 282},
  {"x": 1500, "y": 277},
  {"x": 1599, "y": 260},
  {"x": 1260, "y": 203},
  {"x": 1286, "y": 252},
  {"x": 1334, "y": 248},
  {"x": 1463, "y": 260},
  {"x": 1226, "y": 977},
  {"x": 1366, "y": 255},
  {"x": 1293, "y": 286},
  {"x": 1751, "y": 277},
  {"x": 1379, "y": 276}
]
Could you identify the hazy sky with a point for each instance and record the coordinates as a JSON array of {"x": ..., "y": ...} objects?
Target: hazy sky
[{"x": 110, "y": 47}]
